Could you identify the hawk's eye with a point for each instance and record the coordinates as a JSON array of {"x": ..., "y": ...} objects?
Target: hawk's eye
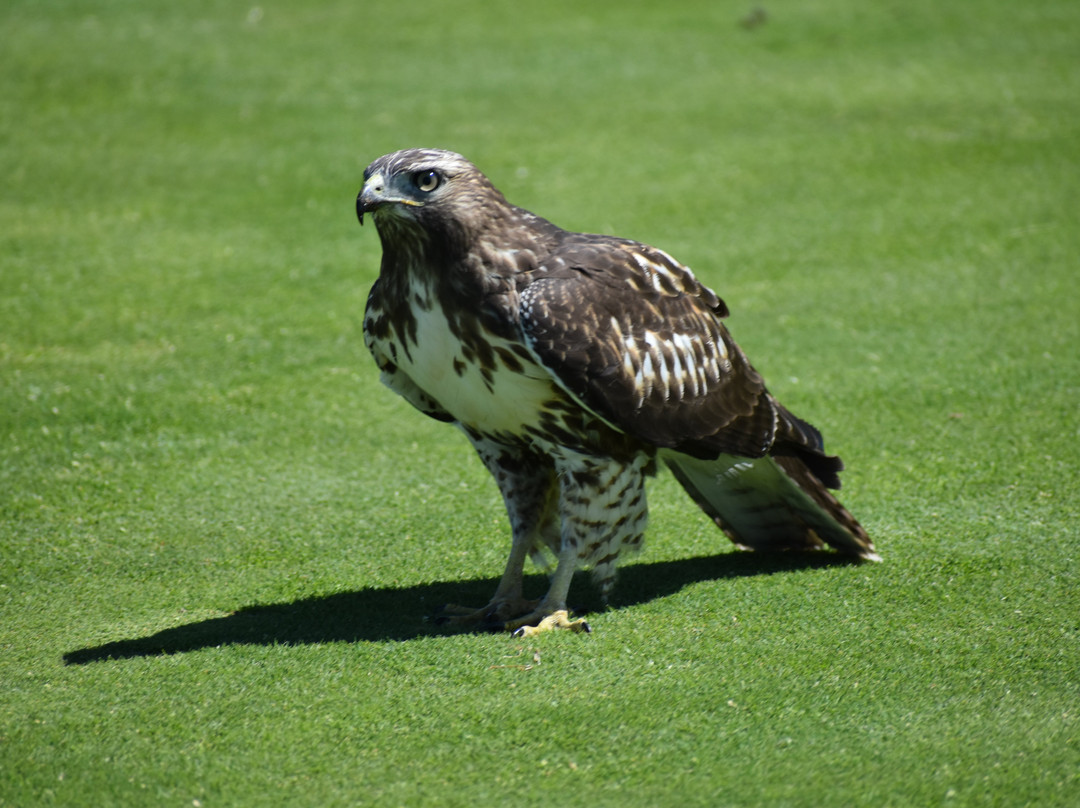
[{"x": 427, "y": 181}]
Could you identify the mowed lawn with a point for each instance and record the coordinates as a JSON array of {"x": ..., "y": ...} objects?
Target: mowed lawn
[{"x": 220, "y": 537}]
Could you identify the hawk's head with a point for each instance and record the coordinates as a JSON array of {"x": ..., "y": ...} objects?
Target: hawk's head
[{"x": 429, "y": 192}]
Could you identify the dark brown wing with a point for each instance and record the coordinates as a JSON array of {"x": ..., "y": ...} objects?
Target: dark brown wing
[{"x": 639, "y": 340}]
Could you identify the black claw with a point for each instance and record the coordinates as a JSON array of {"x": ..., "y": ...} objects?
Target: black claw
[{"x": 441, "y": 617}]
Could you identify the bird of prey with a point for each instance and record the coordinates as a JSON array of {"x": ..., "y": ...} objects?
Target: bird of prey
[{"x": 573, "y": 363}]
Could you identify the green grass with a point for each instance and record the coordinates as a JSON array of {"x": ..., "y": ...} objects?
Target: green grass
[{"x": 219, "y": 536}]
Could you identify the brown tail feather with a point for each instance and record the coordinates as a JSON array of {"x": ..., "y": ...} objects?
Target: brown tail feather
[{"x": 770, "y": 503}]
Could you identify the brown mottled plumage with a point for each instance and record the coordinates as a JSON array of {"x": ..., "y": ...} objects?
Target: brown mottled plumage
[{"x": 572, "y": 362}]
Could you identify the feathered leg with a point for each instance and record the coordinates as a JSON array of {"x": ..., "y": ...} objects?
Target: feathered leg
[
  {"x": 527, "y": 484},
  {"x": 603, "y": 512},
  {"x": 588, "y": 508}
]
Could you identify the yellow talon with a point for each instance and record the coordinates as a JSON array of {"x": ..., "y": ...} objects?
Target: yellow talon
[{"x": 556, "y": 620}]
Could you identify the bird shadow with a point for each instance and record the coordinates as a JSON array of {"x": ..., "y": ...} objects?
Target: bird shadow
[{"x": 400, "y": 614}]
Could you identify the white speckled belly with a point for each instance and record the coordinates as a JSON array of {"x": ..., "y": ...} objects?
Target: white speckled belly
[{"x": 436, "y": 364}]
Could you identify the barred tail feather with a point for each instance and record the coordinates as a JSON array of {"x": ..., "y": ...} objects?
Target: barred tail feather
[{"x": 770, "y": 503}]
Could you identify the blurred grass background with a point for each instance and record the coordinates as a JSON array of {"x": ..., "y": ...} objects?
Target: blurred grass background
[{"x": 219, "y": 536}]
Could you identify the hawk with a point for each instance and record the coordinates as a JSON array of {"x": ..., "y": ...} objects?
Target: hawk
[{"x": 574, "y": 363}]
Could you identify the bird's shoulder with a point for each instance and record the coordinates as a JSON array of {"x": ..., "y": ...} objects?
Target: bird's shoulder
[
  {"x": 637, "y": 338},
  {"x": 623, "y": 267}
]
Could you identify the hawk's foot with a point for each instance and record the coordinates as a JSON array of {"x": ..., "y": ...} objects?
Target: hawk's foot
[
  {"x": 559, "y": 619},
  {"x": 498, "y": 615}
]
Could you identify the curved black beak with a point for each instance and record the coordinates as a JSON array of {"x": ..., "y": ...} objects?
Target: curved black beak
[
  {"x": 363, "y": 205},
  {"x": 369, "y": 198}
]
